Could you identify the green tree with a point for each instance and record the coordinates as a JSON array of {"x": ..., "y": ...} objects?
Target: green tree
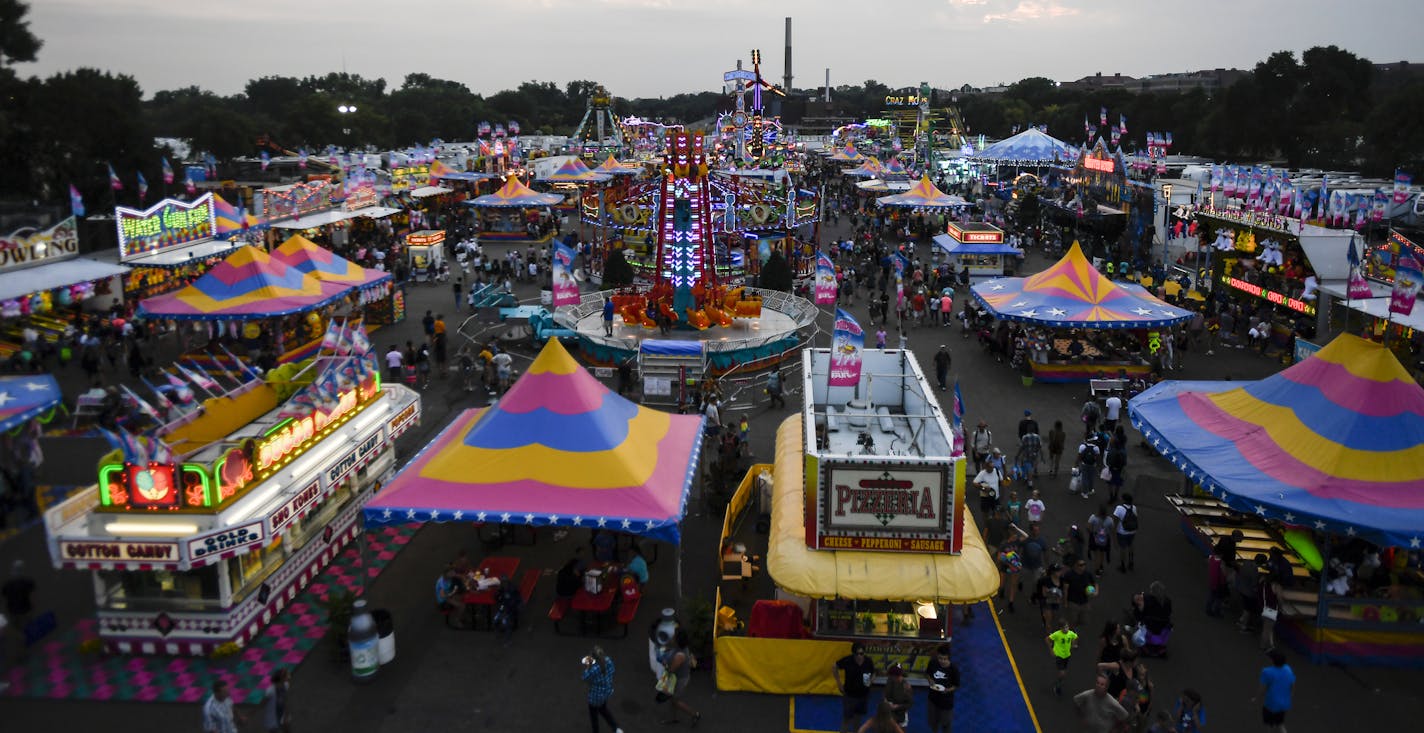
[
  {"x": 776, "y": 273},
  {"x": 17, "y": 43},
  {"x": 617, "y": 273},
  {"x": 81, "y": 120}
]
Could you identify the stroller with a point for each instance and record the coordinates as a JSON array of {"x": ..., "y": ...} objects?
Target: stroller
[{"x": 1152, "y": 611}]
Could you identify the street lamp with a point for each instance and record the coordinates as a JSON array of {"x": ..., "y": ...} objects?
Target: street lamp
[
  {"x": 1166, "y": 221},
  {"x": 346, "y": 109}
]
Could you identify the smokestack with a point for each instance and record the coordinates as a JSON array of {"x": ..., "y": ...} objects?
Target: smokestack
[
  {"x": 786, "y": 82},
  {"x": 828, "y": 85}
]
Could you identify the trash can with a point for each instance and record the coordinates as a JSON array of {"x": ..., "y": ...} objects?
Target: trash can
[{"x": 386, "y": 635}]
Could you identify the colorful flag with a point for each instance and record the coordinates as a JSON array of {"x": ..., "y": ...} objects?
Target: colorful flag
[
  {"x": 901, "y": 264},
  {"x": 76, "y": 201},
  {"x": 847, "y": 342},
  {"x": 141, "y": 404},
  {"x": 179, "y": 388},
  {"x": 957, "y": 422},
  {"x": 825, "y": 279},
  {"x": 142, "y": 187},
  {"x": 1401, "y": 186},
  {"x": 163, "y": 400},
  {"x": 1229, "y": 181},
  {"x": 1357, "y": 286},
  {"x": 242, "y": 365},
  {"x": 188, "y": 184},
  {"x": 1379, "y": 205},
  {"x": 1407, "y": 277},
  {"x": 1215, "y": 177},
  {"x": 332, "y": 338},
  {"x": 566, "y": 288},
  {"x": 359, "y": 343},
  {"x": 266, "y": 159},
  {"x": 114, "y": 181},
  {"x": 1122, "y": 124},
  {"x": 1102, "y": 115},
  {"x": 1087, "y": 126},
  {"x": 210, "y": 164},
  {"x": 197, "y": 376},
  {"x": 302, "y": 158},
  {"x": 167, "y": 173}
]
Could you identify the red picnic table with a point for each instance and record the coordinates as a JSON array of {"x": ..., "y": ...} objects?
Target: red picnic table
[
  {"x": 491, "y": 567},
  {"x": 595, "y": 606}
]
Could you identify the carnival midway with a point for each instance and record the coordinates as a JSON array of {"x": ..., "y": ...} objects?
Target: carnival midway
[{"x": 742, "y": 424}]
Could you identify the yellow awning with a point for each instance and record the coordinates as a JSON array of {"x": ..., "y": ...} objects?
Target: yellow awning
[{"x": 968, "y": 577}]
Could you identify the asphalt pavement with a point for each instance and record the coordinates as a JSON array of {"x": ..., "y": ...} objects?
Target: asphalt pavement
[{"x": 470, "y": 681}]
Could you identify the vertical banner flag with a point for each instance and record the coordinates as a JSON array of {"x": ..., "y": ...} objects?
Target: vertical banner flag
[
  {"x": 1357, "y": 287},
  {"x": 266, "y": 159},
  {"x": 142, "y": 187},
  {"x": 566, "y": 289},
  {"x": 1122, "y": 124},
  {"x": 1379, "y": 205},
  {"x": 114, "y": 181},
  {"x": 957, "y": 425},
  {"x": 1102, "y": 115},
  {"x": 188, "y": 185},
  {"x": 1401, "y": 186},
  {"x": 825, "y": 279},
  {"x": 1215, "y": 178},
  {"x": 167, "y": 172},
  {"x": 76, "y": 201},
  {"x": 847, "y": 341},
  {"x": 1407, "y": 277},
  {"x": 1229, "y": 179}
]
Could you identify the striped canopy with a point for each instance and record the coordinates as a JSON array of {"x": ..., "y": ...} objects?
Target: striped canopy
[
  {"x": 1334, "y": 443},
  {"x": 613, "y": 167},
  {"x": 232, "y": 220},
  {"x": 1073, "y": 294},
  {"x": 26, "y": 397},
  {"x": 848, "y": 154},
  {"x": 922, "y": 195},
  {"x": 574, "y": 171},
  {"x": 323, "y": 264},
  {"x": 894, "y": 169},
  {"x": 871, "y": 168},
  {"x": 248, "y": 284},
  {"x": 558, "y": 449},
  {"x": 515, "y": 195}
]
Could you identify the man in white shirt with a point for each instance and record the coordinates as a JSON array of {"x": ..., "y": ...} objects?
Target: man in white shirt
[
  {"x": 1113, "y": 409},
  {"x": 987, "y": 481},
  {"x": 394, "y": 360},
  {"x": 218, "y": 715}
]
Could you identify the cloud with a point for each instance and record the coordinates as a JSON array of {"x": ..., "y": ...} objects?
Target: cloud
[
  {"x": 1031, "y": 10},
  {"x": 968, "y": 2}
]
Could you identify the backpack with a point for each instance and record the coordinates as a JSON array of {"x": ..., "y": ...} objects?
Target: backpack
[{"x": 1129, "y": 518}]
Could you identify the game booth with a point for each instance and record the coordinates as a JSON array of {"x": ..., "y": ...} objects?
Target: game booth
[
  {"x": 174, "y": 242},
  {"x": 1099, "y": 329},
  {"x": 271, "y": 301},
  {"x": 1325, "y": 461},
  {"x": 45, "y": 284},
  {"x": 866, "y": 540},
  {"x": 507, "y": 214},
  {"x": 198, "y": 534},
  {"x": 978, "y": 247}
]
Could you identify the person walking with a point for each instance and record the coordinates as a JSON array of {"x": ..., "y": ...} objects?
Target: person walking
[
  {"x": 942, "y": 361},
  {"x": 1056, "y": 438},
  {"x": 1087, "y": 466},
  {"x": 608, "y": 317},
  {"x": 944, "y": 680},
  {"x": 1062, "y": 643},
  {"x": 852, "y": 674},
  {"x": 981, "y": 442},
  {"x": 773, "y": 388},
  {"x": 395, "y": 359},
  {"x": 1078, "y": 592},
  {"x": 678, "y": 662},
  {"x": 276, "y": 717},
  {"x": 218, "y": 713},
  {"x": 1097, "y": 710},
  {"x": 1189, "y": 714},
  {"x": 1277, "y": 681},
  {"x": 898, "y": 694},
  {"x": 1125, "y": 516},
  {"x": 598, "y": 675}
]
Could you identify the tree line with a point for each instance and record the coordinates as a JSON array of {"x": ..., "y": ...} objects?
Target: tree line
[{"x": 1327, "y": 109}]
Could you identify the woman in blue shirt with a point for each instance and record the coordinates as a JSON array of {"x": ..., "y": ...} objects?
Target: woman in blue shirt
[{"x": 638, "y": 567}]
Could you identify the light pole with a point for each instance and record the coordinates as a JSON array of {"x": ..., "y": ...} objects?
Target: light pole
[
  {"x": 346, "y": 109},
  {"x": 1166, "y": 221}
]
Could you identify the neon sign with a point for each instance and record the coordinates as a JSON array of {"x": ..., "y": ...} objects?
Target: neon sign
[
  {"x": 1270, "y": 296},
  {"x": 1100, "y": 165},
  {"x": 976, "y": 232},
  {"x": 168, "y": 223},
  {"x": 294, "y": 434}
]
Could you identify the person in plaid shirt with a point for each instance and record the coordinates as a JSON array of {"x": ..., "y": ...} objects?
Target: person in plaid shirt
[{"x": 598, "y": 673}]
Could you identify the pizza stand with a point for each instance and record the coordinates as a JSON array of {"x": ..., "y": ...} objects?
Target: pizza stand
[{"x": 869, "y": 537}]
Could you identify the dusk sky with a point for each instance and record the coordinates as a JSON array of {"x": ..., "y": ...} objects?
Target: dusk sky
[{"x": 642, "y": 48}]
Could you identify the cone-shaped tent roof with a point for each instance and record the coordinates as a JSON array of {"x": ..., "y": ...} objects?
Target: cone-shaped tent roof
[
  {"x": 1335, "y": 442},
  {"x": 868, "y": 169},
  {"x": 612, "y": 166},
  {"x": 1072, "y": 293},
  {"x": 574, "y": 171},
  {"x": 848, "y": 154},
  {"x": 922, "y": 195},
  {"x": 248, "y": 284},
  {"x": 514, "y": 195},
  {"x": 558, "y": 449}
]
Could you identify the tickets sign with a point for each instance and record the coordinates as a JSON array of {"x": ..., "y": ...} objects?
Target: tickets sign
[{"x": 167, "y": 224}]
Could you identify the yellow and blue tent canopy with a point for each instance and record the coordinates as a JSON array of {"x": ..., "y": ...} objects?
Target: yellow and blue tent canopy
[
  {"x": 613, "y": 167},
  {"x": 248, "y": 284},
  {"x": 1073, "y": 294},
  {"x": 574, "y": 171},
  {"x": 1334, "y": 443},
  {"x": 923, "y": 194},
  {"x": 306, "y": 256},
  {"x": 871, "y": 168},
  {"x": 515, "y": 195},
  {"x": 231, "y": 220},
  {"x": 847, "y": 154},
  {"x": 559, "y": 449}
]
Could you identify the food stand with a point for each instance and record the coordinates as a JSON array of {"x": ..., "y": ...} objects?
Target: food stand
[
  {"x": 1279, "y": 459},
  {"x": 44, "y": 281},
  {"x": 1078, "y": 305},
  {"x": 978, "y": 247},
  {"x": 196, "y": 541},
  {"x": 869, "y": 537},
  {"x": 425, "y": 253}
]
